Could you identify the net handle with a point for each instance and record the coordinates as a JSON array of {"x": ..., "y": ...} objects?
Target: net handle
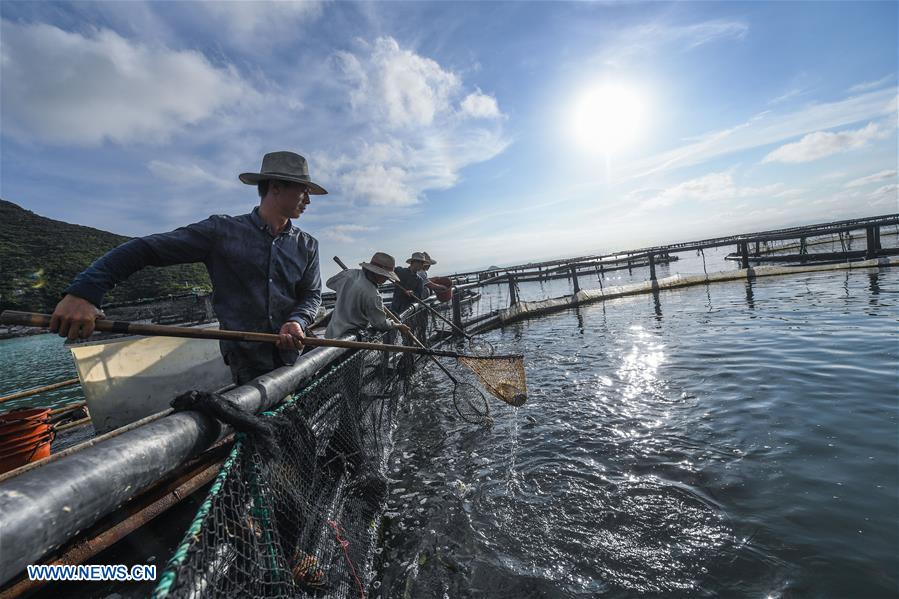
[{"x": 35, "y": 319}]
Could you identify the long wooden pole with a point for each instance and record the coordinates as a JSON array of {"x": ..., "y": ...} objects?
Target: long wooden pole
[
  {"x": 31, "y": 392},
  {"x": 68, "y": 408},
  {"x": 33, "y": 319}
]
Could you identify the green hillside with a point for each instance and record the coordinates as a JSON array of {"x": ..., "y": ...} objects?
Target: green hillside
[{"x": 39, "y": 257}]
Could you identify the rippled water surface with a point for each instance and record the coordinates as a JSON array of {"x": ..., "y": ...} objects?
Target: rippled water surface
[
  {"x": 35, "y": 361},
  {"x": 739, "y": 439}
]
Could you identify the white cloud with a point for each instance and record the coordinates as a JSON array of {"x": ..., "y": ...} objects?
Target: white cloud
[
  {"x": 375, "y": 175},
  {"x": 703, "y": 33},
  {"x": 875, "y": 178},
  {"x": 399, "y": 85},
  {"x": 791, "y": 193},
  {"x": 344, "y": 233},
  {"x": 821, "y": 144},
  {"x": 869, "y": 85},
  {"x": 259, "y": 23},
  {"x": 886, "y": 192},
  {"x": 714, "y": 187},
  {"x": 68, "y": 88},
  {"x": 408, "y": 136},
  {"x": 789, "y": 95},
  {"x": 191, "y": 175},
  {"x": 480, "y": 106},
  {"x": 851, "y": 203},
  {"x": 648, "y": 39},
  {"x": 762, "y": 130}
]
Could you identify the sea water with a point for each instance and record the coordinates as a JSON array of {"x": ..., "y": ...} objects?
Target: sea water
[
  {"x": 736, "y": 439},
  {"x": 35, "y": 361}
]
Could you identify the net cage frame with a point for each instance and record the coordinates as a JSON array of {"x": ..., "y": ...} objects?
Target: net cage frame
[{"x": 259, "y": 533}]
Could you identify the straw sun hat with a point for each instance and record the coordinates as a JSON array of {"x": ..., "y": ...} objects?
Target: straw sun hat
[{"x": 381, "y": 264}]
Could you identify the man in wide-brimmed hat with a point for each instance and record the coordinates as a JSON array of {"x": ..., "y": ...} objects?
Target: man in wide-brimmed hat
[
  {"x": 359, "y": 304},
  {"x": 413, "y": 282},
  {"x": 264, "y": 270},
  {"x": 410, "y": 283}
]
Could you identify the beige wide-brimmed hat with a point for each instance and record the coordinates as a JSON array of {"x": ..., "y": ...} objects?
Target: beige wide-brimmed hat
[
  {"x": 430, "y": 260},
  {"x": 284, "y": 166},
  {"x": 381, "y": 264},
  {"x": 420, "y": 256}
]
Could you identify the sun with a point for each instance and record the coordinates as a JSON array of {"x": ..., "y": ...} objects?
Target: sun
[{"x": 609, "y": 117}]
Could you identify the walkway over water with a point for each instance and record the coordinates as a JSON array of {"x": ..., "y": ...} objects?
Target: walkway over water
[{"x": 650, "y": 256}]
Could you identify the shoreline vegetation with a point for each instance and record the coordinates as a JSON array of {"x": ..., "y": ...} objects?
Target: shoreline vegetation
[{"x": 39, "y": 258}]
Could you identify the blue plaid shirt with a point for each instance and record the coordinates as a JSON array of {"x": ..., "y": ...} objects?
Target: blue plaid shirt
[{"x": 260, "y": 280}]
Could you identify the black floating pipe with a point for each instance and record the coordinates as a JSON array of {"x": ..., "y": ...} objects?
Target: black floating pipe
[{"x": 43, "y": 508}]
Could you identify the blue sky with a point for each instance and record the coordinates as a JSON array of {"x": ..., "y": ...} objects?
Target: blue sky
[{"x": 484, "y": 133}]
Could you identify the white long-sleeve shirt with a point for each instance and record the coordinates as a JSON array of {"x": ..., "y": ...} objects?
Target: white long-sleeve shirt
[{"x": 358, "y": 305}]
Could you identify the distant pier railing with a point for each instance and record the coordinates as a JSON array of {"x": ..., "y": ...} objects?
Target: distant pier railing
[{"x": 662, "y": 254}]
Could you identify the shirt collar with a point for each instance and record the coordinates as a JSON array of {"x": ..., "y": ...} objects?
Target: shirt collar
[
  {"x": 263, "y": 226},
  {"x": 365, "y": 276}
]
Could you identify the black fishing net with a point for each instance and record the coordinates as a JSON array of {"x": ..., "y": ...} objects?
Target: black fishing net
[
  {"x": 471, "y": 404},
  {"x": 297, "y": 515}
]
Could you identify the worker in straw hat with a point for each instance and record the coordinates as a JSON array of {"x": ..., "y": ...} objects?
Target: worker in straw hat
[
  {"x": 359, "y": 303},
  {"x": 424, "y": 274},
  {"x": 264, "y": 269},
  {"x": 410, "y": 283}
]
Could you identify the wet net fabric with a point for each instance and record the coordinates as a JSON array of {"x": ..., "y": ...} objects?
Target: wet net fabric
[
  {"x": 299, "y": 517},
  {"x": 480, "y": 346},
  {"x": 503, "y": 376},
  {"x": 470, "y": 404}
]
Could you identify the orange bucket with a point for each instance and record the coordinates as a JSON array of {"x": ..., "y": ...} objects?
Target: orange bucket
[
  {"x": 31, "y": 441},
  {"x": 19, "y": 422},
  {"x": 30, "y": 435},
  {"x": 16, "y": 418},
  {"x": 25, "y": 436},
  {"x": 22, "y": 427},
  {"x": 31, "y": 452},
  {"x": 444, "y": 296}
]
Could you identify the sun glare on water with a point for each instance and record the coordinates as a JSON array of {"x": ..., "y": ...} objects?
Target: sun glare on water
[{"x": 609, "y": 118}]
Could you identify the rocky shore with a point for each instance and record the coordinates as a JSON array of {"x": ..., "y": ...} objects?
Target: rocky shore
[{"x": 8, "y": 332}]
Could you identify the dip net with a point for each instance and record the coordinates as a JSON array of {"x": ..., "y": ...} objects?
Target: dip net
[{"x": 503, "y": 376}]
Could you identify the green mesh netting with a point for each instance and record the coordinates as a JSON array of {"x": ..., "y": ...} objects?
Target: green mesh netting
[{"x": 300, "y": 519}]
